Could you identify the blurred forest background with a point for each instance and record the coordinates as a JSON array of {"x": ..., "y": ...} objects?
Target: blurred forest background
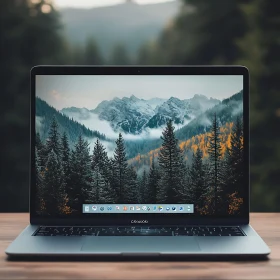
[{"x": 182, "y": 32}]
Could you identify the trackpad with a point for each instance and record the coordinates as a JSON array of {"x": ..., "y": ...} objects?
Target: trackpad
[{"x": 140, "y": 244}]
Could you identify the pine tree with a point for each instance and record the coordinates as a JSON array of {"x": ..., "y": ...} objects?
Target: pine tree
[
  {"x": 38, "y": 141},
  {"x": 104, "y": 193},
  {"x": 65, "y": 155},
  {"x": 39, "y": 184},
  {"x": 132, "y": 188},
  {"x": 171, "y": 166},
  {"x": 54, "y": 193},
  {"x": 65, "y": 161},
  {"x": 53, "y": 140},
  {"x": 41, "y": 152},
  {"x": 227, "y": 179},
  {"x": 143, "y": 187},
  {"x": 99, "y": 185},
  {"x": 186, "y": 195},
  {"x": 81, "y": 188},
  {"x": 197, "y": 176},
  {"x": 153, "y": 183},
  {"x": 235, "y": 160},
  {"x": 214, "y": 150},
  {"x": 236, "y": 155},
  {"x": 120, "y": 169}
]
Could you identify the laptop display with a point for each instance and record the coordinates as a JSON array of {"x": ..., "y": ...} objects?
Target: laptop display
[{"x": 139, "y": 144}]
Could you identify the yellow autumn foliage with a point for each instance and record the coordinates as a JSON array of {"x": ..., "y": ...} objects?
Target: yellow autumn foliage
[
  {"x": 234, "y": 203},
  {"x": 198, "y": 141}
]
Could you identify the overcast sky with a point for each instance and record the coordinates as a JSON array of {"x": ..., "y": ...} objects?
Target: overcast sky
[
  {"x": 98, "y": 3},
  {"x": 63, "y": 91}
]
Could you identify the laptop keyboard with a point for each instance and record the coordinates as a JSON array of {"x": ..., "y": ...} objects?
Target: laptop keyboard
[{"x": 140, "y": 231}]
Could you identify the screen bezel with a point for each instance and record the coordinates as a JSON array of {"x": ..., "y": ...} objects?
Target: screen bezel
[{"x": 125, "y": 219}]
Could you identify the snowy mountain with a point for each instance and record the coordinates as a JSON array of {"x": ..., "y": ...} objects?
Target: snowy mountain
[
  {"x": 156, "y": 102},
  {"x": 181, "y": 111},
  {"x": 133, "y": 115},
  {"x": 128, "y": 114},
  {"x": 83, "y": 113},
  {"x": 226, "y": 111}
]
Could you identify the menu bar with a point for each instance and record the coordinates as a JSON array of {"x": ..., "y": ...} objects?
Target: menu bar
[{"x": 138, "y": 208}]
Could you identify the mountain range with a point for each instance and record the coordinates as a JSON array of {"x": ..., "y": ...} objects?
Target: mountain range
[
  {"x": 227, "y": 111},
  {"x": 199, "y": 106},
  {"x": 134, "y": 115}
]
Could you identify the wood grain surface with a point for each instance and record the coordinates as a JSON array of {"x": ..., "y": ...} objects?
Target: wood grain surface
[{"x": 266, "y": 224}]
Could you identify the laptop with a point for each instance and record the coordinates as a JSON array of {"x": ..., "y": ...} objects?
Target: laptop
[{"x": 139, "y": 161}]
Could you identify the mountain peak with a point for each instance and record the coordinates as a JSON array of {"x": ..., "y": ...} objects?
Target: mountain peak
[
  {"x": 133, "y": 98},
  {"x": 174, "y": 99},
  {"x": 199, "y": 96}
]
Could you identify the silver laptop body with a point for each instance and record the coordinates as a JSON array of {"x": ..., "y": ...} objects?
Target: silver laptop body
[{"x": 139, "y": 161}]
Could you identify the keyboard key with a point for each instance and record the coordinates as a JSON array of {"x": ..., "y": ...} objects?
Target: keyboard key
[{"x": 140, "y": 231}]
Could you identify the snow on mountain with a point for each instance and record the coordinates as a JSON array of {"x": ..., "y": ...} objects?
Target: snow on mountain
[
  {"x": 133, "y": 115},
  {"x": 200, "y": 103},
  {"x": 156, "y": 102},
  {"x": 82, "y": 113},
  {"x": 181, "y": 111},
  {"x": 128, "y": 114}
]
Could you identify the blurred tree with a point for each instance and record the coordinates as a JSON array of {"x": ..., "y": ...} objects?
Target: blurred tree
[
  {"x": 242, "y": 32},
  {"x": 146, "y": 55},
  {"x": 119, "y": 56},
  {"x": 30, "y": 35},
  {"x": 204, "y": 32},
  {"x": 260, "y": 52},
  {"x": 92, "y": 56},
  {"x": 76, "y": 55}
]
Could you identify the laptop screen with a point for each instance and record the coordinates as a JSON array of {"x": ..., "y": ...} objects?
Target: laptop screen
[{"x": 139, "y": 144}]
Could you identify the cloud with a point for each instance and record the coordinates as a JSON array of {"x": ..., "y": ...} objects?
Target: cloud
[
  {"x": 204, "y": 120},
  {"x": 92, "y": 121},
  {"x": 238, "y": 110},
  {"x": 142, "y": 168},
  {"x": 38, "y": 123}
]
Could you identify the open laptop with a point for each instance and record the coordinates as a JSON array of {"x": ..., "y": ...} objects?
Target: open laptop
[{"x": 147, "y": 161}]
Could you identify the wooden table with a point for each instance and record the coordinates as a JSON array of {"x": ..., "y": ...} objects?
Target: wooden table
[{"x": 267, "y": 225}]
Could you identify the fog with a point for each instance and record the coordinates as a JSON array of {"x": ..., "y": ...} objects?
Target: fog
[
  {"x": 92, "y": 121},
  {"x": 109, "y": 146}
]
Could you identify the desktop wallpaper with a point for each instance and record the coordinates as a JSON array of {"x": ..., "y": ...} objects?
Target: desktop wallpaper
[{"x": 139, "y": 139}]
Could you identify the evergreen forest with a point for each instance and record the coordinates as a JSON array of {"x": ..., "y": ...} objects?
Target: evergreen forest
[{"x": 68, "y": 176}]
